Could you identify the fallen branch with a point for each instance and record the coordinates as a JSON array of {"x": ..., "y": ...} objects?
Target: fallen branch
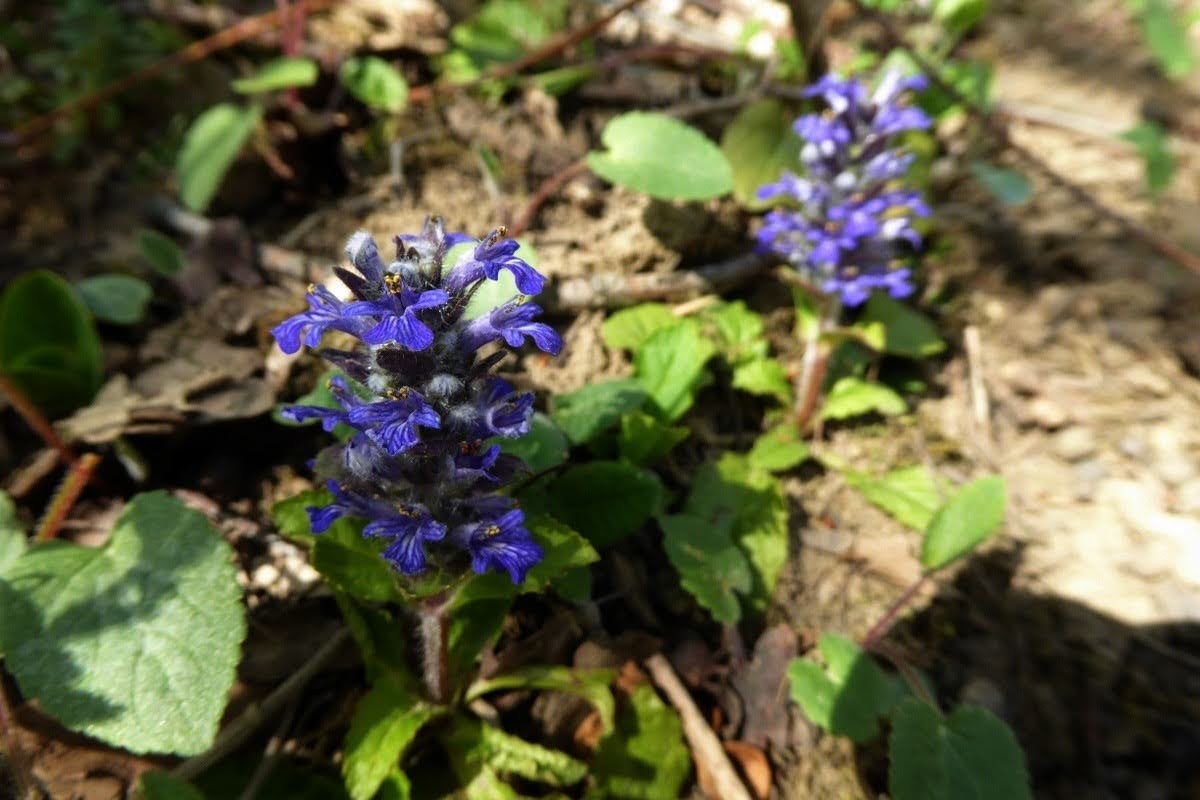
[
  {"x": 242, "y": 728},
  {"x": 562, "y": 295},
  {"x": 706, "y": 747}
]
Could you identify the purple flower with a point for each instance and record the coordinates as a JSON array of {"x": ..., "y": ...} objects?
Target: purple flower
[
  {"x": 846, "y": 225},
  {"x": 397, "y": 311},
  {"x": 490, "y": 256},
  {"x": 501, "y": 543},
  {"x": 503, "y": 412},
  {"x": 423, "y": 404},
  {"x": 393, "y": 424},
  {"x": 513, "y": 322},
  {"x": 325, "y": 311},
  {"x": 407, "y": 530}
]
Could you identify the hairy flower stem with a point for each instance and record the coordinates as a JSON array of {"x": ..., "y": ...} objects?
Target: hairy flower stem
[
  {"x": 812, "y": 368},
  {"x": 435, "y": 655}
]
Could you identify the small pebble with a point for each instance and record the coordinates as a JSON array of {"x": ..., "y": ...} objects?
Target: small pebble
[
  {"x": 1075, "y": 443},
  {"x": 264, "y": 575},
  {"x": 1088, "y": 475},
  {"x": 1134, "y": 447},
  {"x": 1047, "y": 413}
]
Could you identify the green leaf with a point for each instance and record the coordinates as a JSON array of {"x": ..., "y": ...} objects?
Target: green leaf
[
  {"x": 291, "y": 518},
  {"x": 386, "y": 721},
  {"x": 970, "y": 754},
  {"x": 738, "y": 332},
  {"x": 119, "y": 299},
  {"x": 644, "y": 440},
  {"x": 760, "y": 144},
  {"x": 960, "y": 16},
  {"x": 662, "y": 157},
  {"x": 209, "y": 148},
  {"x": 852, "y": 397},
  {"x": 478, "y": 608},
  {"x": 591, "y": 685},
  {"x": 385, "y": 648},
  {"x": 282, "y": 73},
  {"x": 907, "y": 332},
  {"x": 574, "y": 585},
  {"x": 646, "y": 757},
  {"x": 155, "y": 785},
  {"x": 629, "y": 328},
  {"x": 161, "y": 252},
  {"x": 846, "y": 697},
  {"x": 711, "y": 567},
  {"x": 1167, "y": 37},
  {"x": 12, "y": 533},
  {"x": 585, "y": 414},
  {"x": 670, "y": 367},
  {"x": 606, "y": 500},
  {"x": 474, "y": 745},
  {"x": 136, "y": 642},
  {"x": 1007, "y": 185},
  {"x": 48, "y": 343},
  {"x": 910, "y": 494},
  {"x": 779, "y": 449},
  {"x": 959, "y": 526},
  {"x": 749, "y": 503},
  {"x": 475, "y": 623},
  {"x": 375, "y": 82},
  {"x": 564, "y": 550},
  {"x": 765, "y": 377},
  {"x": 1151, "y": 142},
  {"x": 543, "y": 448},
  {"x": 352, "y": 563}
]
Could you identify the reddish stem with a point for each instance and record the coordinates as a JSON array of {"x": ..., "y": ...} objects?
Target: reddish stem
[
  {"x": 36, "y": 421},
  {"x": 881, "y": 627},
  {"x": 66, "y": 495},
  {"x": 548, "y": 189}
]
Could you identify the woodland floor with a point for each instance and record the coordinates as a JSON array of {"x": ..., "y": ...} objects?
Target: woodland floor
[{"x": 1080, "y": 625}]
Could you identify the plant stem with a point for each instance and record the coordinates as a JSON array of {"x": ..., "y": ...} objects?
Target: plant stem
[
  {"x": 36, "y": 421},
  {"x": 435, "y": 655},
  {"x": 885, "y": 622},
  {"x": 812, "y": 368}
]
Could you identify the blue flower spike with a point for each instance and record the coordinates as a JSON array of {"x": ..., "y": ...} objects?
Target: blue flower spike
[
  {"x": 422, "y": 404},
  {"x": 847, "y": 223}
]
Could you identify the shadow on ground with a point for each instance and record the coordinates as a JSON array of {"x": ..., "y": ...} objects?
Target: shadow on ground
[{"x": 1102, "y": 709}]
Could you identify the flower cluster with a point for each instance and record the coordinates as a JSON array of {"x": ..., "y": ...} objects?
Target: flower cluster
[
  {"x": 422, "y": 402},
  {"x": 852, "y": 216}
]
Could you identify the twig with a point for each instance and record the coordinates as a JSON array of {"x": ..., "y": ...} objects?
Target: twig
[
  {"x": 614, "y": 290},
  {"x": 270, "y": 755},
  {"x": 995, "y": 126},
  {"x": 704, "y": 743},
  {"x": 66, "y": 495},
  {"x": 980, "y": 406},
  {"x": 246, "y": 29},
  {"x": 36, "y": 421},
  {"x": 884, "y": 623},
  {"x": 548, "y": 189},
  {"x": 253, "y": 717},
  {"x": 605, "y": 290},
  {"x": 425, "y": 93}
]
